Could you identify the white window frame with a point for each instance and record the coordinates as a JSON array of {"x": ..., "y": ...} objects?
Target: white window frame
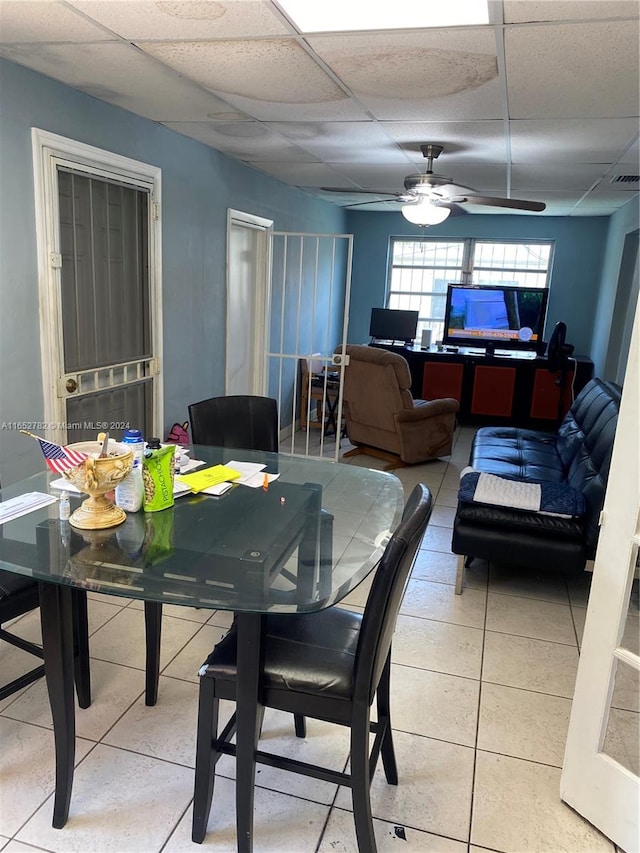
[{"x": 467, "y": 268}]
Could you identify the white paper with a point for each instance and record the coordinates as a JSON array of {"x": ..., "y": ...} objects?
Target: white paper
[
  {"x": 24, "y": 504},
  {"x": 257, "y": 480},
  {"x": 180, "y": 489},
  {"x": 252, "y": 473},
  {"x": 217, "y": 490},
  {"x": 65, "y": 486}
]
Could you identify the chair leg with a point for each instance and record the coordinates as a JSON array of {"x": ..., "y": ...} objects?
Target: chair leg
[
  {"x": 360, "y": 783},
  {"x": 300, "y": 724},
  {"x": 206, "y": 757},
  {"x": 460, "y": 574},
  {"x": 384, "y": 713}
]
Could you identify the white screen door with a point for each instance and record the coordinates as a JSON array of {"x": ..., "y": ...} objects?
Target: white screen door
[
  {"x": 601, "y": 772},
  {"x": 98, "y": 253}
]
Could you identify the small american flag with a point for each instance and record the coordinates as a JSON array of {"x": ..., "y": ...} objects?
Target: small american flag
[{"x": 59, "y": 458}]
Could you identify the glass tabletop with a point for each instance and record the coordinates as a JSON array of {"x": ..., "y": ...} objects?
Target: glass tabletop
[{"x": 300, "y": 545}]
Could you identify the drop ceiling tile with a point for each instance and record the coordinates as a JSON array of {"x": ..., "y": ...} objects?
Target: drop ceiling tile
[
  {"x": 463, "y": 141},
  {"x": 249, "y": 140},
  {"x": 550, "y": 74},
  {"x": 270, "y": 79},
  {"x": 301, "y": 174},
  {"x": 632, "y": 155},
  {"x": 121, "y": 75},
  {"x": 616, "y": 193},
  {"x": 185, "y": 19},
  {"x": 553, "y": 175},
  {"x": 440, "y": 74},
  {"x": 375, "y": 176},
  {"x": 579, "y": 140},
  {"x": 42, "y": 21},
  {"x": 521, "y": 11},
  {"x": 269, "y": 70},
  {"x": 362, "y": 142}
]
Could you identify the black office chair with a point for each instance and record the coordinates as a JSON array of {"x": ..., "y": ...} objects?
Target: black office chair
[
  {"x": 327, "y": 665},
  {"x": 241, "y": 421}
]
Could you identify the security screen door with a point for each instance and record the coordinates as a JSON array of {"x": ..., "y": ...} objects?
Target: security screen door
[
  {"x": 106, "y": 377},
  {"x": 99, "y": 266}
]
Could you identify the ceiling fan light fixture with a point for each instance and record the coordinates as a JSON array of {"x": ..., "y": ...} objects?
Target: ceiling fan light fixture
[{"x": 424, "y": 213}]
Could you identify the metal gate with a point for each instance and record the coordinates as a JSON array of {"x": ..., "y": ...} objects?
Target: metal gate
[{"x": 308, "y": 318}]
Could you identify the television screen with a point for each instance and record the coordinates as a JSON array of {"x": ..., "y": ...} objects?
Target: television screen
[
  {"x": 388, "y": 324},
  {"x": 489, "y": 316}
]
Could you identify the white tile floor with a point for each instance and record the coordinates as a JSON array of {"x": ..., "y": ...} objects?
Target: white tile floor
[{"x": 481, "y": 690}]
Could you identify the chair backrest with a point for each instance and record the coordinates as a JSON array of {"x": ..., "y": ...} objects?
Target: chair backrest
[
  {"x": 385, "y": 597},
  {"x": 241, "y": 421},
  {"x": 377, "y": 384}
]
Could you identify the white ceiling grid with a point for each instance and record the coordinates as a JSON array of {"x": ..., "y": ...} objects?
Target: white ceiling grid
[{"x": 542, "y": 103}]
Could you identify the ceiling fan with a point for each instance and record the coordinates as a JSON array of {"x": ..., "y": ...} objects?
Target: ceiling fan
[{"x": 429, "y": 199}]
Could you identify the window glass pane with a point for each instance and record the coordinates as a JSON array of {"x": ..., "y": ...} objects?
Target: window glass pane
[
  {"x": 419, "y": 275},
  {"x": 421, "y": 270}
]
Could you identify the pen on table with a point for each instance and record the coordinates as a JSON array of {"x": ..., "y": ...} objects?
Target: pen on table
[{"x": 265, "y": 482}]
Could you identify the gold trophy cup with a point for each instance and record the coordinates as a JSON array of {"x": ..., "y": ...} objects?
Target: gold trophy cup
[{"x": 96, "y": 476}]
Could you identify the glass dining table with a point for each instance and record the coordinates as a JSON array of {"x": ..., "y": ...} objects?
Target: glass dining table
[{"x": 300, "y": 544}]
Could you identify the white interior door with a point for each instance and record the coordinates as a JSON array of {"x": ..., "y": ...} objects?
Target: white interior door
[
  {"x": 247, "y": 302},
  {"x": 601, "y": 771}
]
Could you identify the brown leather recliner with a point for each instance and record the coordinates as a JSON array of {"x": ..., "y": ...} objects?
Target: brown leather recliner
[{"x": 382, "y": 417}]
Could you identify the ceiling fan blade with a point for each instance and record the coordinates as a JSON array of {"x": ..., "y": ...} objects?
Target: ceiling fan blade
[
  {"x": 355, "y": 191},
  {"x": 491, "y": 201},
  {"x": 373, "y": 201},
  {"x": 454, "y": 209}
]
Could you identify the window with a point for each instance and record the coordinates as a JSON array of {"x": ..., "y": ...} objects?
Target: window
[{"x": 420, "y": 270}]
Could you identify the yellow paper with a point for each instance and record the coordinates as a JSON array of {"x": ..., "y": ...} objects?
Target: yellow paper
[{"x": 200, "y": 480}]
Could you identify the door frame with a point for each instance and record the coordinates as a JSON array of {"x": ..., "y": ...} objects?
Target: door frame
[
  {"x": 593, "y": 783},
  {"x": 262, "y": 293},
  {"x": 50, "y": 150}
]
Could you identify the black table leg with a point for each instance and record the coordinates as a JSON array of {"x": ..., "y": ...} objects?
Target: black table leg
[
  {"x": 82, "y": 670},
  {"x": 56, "y": 616},
  {"x": 153, "y": 634},
  {"x": 249, "y": 721}
]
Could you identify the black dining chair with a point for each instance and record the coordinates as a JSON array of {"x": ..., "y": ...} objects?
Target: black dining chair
[
  {"x": 328, "y": 665},
  {"x": 236, "y": 421},
  {"x": 19, "y": 595},
  {"x": 241, "y": 421}
]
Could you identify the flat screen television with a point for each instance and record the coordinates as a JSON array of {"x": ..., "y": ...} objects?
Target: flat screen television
[
  {"x": 392, "y": 324},
  {"x": 495, "y": 317}
]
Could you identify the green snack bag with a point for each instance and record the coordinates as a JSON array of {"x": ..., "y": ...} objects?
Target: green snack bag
[
  {"x": 157, "y": 475},
  {"x": 158, "y": 540}
]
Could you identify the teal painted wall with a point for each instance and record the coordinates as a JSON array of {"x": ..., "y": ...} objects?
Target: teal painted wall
[
  {"x": 576, "y": 276},
  {"x": 618, "y": 293},
  {"x": 198, "y": 185}
]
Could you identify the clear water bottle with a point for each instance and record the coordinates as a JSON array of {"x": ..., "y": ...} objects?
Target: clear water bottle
[
  {"x": 130, "y": 492},
  {"x": 64, "y": 507}
]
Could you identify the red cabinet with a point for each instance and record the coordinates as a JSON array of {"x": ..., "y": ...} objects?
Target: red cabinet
[
  {"x": 545, "y": 396},
  {"x": 493, "y": 390},
  {"x": 442, "y": 380}
]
